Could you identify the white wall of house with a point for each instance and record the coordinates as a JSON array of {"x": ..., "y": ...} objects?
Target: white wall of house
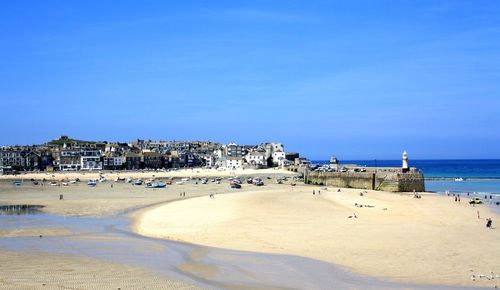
[
  {"x": 91, "y": 163},
  {"x": 234, "y": 163},
  {"x": 279, "y": 158},
  {"x": 256, "y": 159}
]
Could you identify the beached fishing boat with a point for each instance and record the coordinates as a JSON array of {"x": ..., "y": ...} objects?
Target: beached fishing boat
[
  {"x": 138, "y": 182},
  {"x": 257, "y": 181},
  {"x": 156, "y": 185},
  {"x": 92, "y": 182},
  {"x": 235, "y": 184},
  {"x": 120, "y": 179}
]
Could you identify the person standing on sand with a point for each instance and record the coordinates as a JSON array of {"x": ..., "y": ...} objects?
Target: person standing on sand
[
  {"x": 478, "y": 214},
  {"x": 314, "y": 192},
  {"x": 489, "y": 222}
]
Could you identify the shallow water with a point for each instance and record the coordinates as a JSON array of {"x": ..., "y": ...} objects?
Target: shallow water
[
  {"x": 110, "y": 239},
  {"x": 468, "y": 185}
]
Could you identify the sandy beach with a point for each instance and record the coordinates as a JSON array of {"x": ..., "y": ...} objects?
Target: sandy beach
[
  {"x": 431, "y": 240},
  {"x": 112, "y": 175},
  {"x": 395, "y": 237},
  {"x": 37, "y": 270}
]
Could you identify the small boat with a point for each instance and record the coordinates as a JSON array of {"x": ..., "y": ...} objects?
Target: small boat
[
  {"x": 65, "y": 184},
  {"x": 92, "y": 182},
  {"x": 179, "y": 182},
  {"x": 53, "y": 183},
  {"x": 235, "y": 184},
  {"x": 258, "y": 181},
  {"x": 459, "y": 179},
  {"x": 129, "y": 180},
  {"x": 185, "y": 179},
  {"x": 138, "y": 182},
  {"x": 156, "y": 185},
  {"x": 72, "y": 182},
  {"x": 249, "y": 180},
  {"x": 102, "y": 179},
  {"x": 120, "y": 179},
  {"x": 18, "y": 183}
]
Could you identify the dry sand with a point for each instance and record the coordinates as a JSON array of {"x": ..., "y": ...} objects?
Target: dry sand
[{"x": 429, "y": 240}]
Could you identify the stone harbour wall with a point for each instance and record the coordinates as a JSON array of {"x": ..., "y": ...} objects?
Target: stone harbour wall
[{"x": 385, "y": 181}]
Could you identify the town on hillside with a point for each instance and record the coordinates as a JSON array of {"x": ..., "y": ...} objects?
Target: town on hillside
[{"x": 66, "y": 154}]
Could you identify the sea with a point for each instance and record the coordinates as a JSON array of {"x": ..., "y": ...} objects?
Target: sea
[{"x": 481, "y": 177}]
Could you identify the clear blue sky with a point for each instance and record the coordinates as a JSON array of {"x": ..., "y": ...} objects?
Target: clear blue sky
[{"x": 357, "y": 79}]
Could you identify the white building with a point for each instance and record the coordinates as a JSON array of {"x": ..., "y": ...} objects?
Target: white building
[
  {"x": 91, "y": 160},
  {"x": 234, "y": 162},
  {"x": 279, "y": 158},
  {"x": 234, "y": 150},
  {"x": 256, "y": 159},
  {"x": 69, "y": 159},
  {"x": 112, "y": 161},
  {"x": 270, "y": 148},
  {"x": 210, "y": 161}
]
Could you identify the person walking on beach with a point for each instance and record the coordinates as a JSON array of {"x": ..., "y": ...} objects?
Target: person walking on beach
[
  {"x": 489, "y": 222},
  {"x": 314, "y": 192},
  {"x": 478, "y": 216},
  {"x": 456, "y": 199}
]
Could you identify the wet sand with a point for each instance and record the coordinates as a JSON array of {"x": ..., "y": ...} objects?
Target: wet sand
[{"x": 39, "y": 270}]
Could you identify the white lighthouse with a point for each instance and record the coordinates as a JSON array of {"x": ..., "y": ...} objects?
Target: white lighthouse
[{"x": 405, "y": 166}]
